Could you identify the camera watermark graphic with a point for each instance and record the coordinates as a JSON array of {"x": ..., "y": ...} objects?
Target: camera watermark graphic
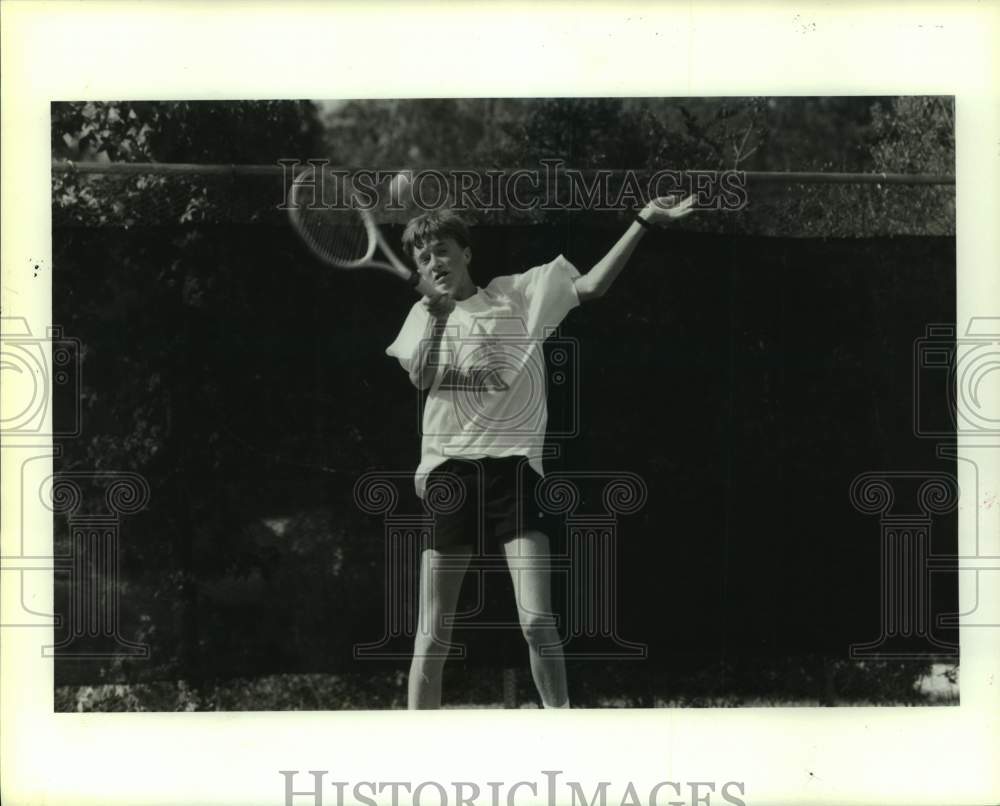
[
  {"x": 955, "y": 371},
  {"x": 587, "y": 565},
  {"x": 550, "y": 187},
  {"x": 42, "y": 383},
  {"x": 33, "y": 371},
  {"x": 957, "y": 404},
  {"x": 551, "y": 788},
  {"x": 502, "y": 383},
  {"x": 954, "y": 388}
]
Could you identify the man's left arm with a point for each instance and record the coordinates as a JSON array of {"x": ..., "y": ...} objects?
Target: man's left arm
[{"x": 598, "y": 280}]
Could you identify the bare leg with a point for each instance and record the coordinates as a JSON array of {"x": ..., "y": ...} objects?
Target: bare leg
[
  {"x": 527, "y": 557},
  {"x": 437, "y": 599}
]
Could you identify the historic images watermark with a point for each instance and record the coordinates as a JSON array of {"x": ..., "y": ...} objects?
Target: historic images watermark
[
  {"x": 548, "y": 789},
  {"x": 551, "y": 187}
]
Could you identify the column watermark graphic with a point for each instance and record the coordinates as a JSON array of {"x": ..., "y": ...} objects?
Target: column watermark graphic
[
  {"x": 592, "y": 539},
  {"x": 405, "y": 536},
  {"x": 45, "y": 404},
  {"x": 962, "y": 365},
  {"x": 587, "y": 566},
  {"x": 953, "y": 407},
  {"x": 906, "y": 563}
]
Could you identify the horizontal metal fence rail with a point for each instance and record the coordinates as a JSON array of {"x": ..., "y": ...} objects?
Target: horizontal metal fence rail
[{"x": 769, "y": 177}]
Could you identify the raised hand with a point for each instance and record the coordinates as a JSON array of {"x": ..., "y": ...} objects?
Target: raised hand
[{"x": 665, "y": 209}]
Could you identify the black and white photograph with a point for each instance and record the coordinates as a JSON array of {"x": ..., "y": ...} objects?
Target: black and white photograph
[
  {"x": 527, "y": 403},
  {"x": 505, "y": 403}
]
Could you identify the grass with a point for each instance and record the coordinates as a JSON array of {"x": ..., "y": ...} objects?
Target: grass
[{"x": 464, "y": 688}]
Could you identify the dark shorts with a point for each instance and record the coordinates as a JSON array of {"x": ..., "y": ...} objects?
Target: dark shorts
[{"x": 481, "y": 503}]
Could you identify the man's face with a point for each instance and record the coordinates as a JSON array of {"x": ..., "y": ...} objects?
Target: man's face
[{"x": 444, "y": 263}]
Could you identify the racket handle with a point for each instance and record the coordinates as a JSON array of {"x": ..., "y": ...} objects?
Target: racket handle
[{"x": 422, "y": 286}]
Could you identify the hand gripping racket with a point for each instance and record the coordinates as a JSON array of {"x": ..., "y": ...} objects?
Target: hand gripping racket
[{"x": 345, "y": 235}]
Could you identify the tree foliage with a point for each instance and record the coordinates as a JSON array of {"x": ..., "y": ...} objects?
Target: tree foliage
[{"x": 234, "y": 132}]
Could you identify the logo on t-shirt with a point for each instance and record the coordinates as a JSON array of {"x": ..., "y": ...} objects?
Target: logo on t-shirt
[
  {"x": 477, "y": 379},
  {"x": 481, "y": 371}
]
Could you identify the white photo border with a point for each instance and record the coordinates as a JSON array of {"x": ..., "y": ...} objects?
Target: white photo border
[{"x": 217, "y": 50}]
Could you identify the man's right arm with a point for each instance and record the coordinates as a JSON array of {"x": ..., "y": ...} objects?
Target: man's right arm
[{"x": 425, "y": 365}]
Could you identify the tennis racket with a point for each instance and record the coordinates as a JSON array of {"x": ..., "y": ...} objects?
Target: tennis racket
[{"x": 345, "y": 236}]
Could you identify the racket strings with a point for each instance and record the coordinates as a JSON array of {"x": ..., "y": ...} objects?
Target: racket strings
[{"x": 336, "y": 232}]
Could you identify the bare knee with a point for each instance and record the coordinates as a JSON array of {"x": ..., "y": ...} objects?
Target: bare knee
[{"x": 539, "y": 630}]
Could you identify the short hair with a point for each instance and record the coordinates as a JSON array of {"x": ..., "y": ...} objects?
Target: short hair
[{"x": 435, "y": 225}]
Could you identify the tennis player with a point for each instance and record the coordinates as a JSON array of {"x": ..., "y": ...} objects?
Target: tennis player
[{"x": 478, "y": 352}]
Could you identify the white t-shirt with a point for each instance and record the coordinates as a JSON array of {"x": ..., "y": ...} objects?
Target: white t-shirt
[{"x": 488, "y": 397}]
